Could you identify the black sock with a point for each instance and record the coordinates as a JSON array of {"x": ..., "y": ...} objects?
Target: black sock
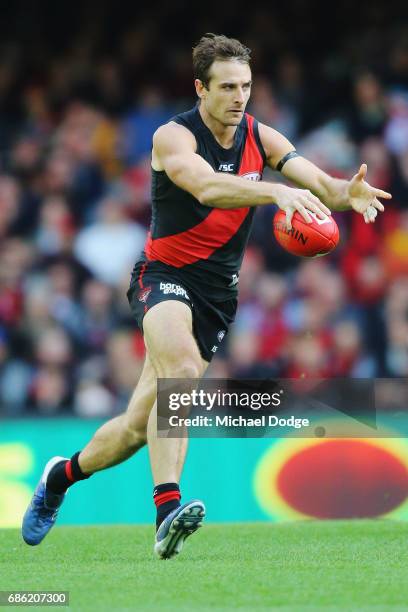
[
  {"x": 64, "y": 474},
  {"x": 166, "y": 497}
]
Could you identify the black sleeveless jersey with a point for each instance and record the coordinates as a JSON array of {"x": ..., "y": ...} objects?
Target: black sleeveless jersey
[{"x": 204, "y": 245}]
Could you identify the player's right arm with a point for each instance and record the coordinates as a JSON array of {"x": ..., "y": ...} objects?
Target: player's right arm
[{"x": 174, "y": 151}]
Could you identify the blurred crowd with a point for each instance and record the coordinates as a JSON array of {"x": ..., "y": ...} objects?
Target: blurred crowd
[{"x": 75, "y": 208}]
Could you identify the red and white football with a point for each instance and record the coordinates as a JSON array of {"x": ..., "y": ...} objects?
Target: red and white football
[{"x": 306, "y": 239}]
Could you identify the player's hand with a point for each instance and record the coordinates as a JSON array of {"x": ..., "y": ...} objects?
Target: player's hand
[
  {"x": 291, "y": 199},
  {"x": 363, "y": 198}
]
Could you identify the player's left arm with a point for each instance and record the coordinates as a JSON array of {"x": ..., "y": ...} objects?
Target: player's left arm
[{"x": 336, "y": 194}]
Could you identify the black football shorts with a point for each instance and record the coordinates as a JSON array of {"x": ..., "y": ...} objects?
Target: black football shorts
[{"x": 211, "y": 319}]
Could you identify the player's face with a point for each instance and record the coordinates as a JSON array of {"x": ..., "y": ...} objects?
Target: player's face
[{"x": 228, "y": 91}]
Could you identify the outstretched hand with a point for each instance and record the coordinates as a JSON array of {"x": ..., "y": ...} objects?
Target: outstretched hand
[
  {"x": 303, "y": 201},
  {"x": 363, "y": 198}
]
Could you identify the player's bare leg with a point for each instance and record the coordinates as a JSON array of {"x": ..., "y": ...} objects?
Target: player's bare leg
[{"x": 174, "y": 354}]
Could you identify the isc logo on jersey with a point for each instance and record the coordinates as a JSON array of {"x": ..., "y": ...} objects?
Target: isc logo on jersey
[
  {"x": 172, "y": 288},
  {"x": 250, "y": 176}
]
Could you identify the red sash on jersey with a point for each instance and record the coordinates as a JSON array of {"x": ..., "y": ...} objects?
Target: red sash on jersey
[{"x": 217, "y": 228}]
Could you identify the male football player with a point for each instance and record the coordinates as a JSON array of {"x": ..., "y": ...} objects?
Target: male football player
[{"x": 207, "y": 165}]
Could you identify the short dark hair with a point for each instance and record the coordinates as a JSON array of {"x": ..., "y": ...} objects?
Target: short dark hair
[{"x": 212, "y": 47}]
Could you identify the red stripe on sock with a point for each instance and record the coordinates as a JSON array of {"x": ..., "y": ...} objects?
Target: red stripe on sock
[
  {"x": 68, "y": 471},
  {"x": 162, "y": 498}
]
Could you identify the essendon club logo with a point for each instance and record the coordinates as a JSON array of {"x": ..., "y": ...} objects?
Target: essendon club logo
[
  {"x": 251, "y": 176},
  {"x": 144, "y": 294}
]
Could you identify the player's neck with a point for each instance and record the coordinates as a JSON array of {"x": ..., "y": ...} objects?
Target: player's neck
[{"x": 223, "y": 134}]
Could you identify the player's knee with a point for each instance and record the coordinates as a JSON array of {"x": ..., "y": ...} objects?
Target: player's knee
[{"x": 182, "y": 368}]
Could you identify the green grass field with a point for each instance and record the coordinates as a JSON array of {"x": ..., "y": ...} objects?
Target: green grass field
[{"x": 339, "y": 565}]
